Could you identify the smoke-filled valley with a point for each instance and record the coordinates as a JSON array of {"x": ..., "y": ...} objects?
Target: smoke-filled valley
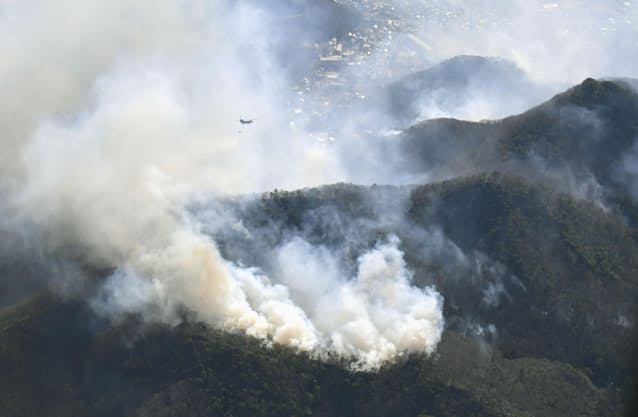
[{"x": 318, "y": 208}]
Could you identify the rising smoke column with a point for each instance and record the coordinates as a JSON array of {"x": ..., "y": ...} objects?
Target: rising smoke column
[{"x": 122, "y": 114}]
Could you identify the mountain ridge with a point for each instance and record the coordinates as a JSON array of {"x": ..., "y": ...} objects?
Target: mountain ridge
[{"x": 539, "y": 287}]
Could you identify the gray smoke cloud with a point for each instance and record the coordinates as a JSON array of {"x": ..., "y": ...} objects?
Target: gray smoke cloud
[{"x": 115, "y": 116}]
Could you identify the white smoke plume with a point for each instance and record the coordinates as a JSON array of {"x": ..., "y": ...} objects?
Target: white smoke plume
[
  {"x": 375, "y": 316},
  {"x": 112, "y": 128},
  {"x": 371, "y": 318}
]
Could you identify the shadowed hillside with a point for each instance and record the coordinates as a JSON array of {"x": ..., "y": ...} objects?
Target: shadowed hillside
[{"x": 84, "y": 368}]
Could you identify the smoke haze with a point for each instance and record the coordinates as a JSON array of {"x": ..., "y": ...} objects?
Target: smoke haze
[{"x": 115, "y": 116}]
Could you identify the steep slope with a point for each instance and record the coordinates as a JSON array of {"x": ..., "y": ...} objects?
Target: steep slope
[{"x": 582, "y": 141}]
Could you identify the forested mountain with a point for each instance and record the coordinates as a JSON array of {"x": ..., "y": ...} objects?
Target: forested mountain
[
  {"x": 539, "y": 292},
  {"x": 529, "y": 235}
]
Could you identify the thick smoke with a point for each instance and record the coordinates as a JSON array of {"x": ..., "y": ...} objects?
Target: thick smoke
[
  {"x": 105, "y": 157},
  {"x": 375, "y": 316}
]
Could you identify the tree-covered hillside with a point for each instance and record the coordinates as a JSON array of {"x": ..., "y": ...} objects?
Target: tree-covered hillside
[
  {"x": 55, "y": 362},
  {"x": 539, "y": 281},
  {"x": 582, "y": 141}
]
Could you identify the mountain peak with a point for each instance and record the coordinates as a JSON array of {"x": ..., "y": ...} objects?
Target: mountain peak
[{"x": 594, "y": 93}]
